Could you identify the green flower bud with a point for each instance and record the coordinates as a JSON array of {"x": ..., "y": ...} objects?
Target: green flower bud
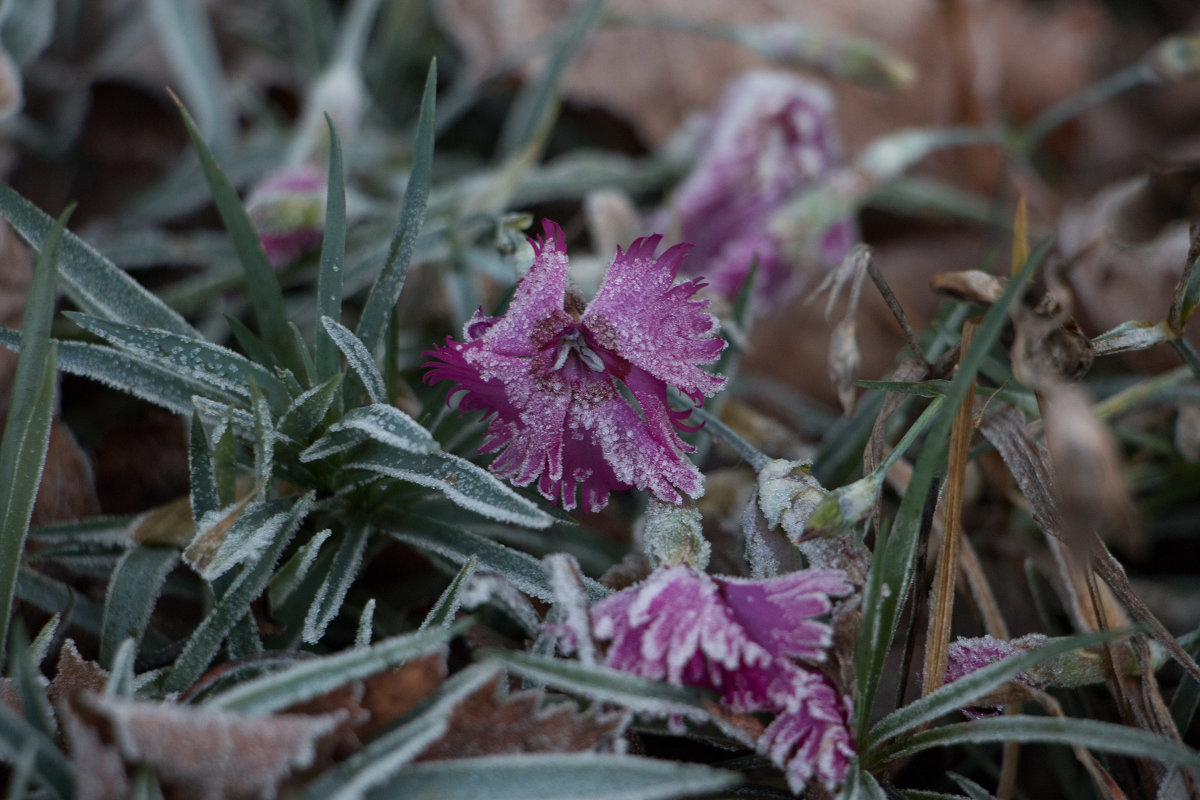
[{"x": 674, "y": 535}]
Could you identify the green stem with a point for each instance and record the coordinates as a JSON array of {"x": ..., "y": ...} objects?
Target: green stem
[
  {"x": 1120, "y": 81},
  {"x": 910, "y": 436}
]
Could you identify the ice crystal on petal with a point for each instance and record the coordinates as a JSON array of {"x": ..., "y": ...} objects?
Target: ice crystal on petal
[
  {"x": 739, "y": 638},
  {"x": 771, "y": 137},
  {"x": 546, "y": 374}
]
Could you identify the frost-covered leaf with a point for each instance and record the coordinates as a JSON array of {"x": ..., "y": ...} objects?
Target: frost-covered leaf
[
  {"x": 242, "y": 420},
  {"x": 605, "y": 684},
  {"x": 75, "y": 675},
  {"x": 332, "y": 592},
  {"x": 309, "y": 679},
  {"x": 198, "y": 360},
  {"x": 465, "y": 484},
  {"x": 458, "y": 545},
  {"x": 489, "y": 721},
  {"x": 97, "y": 285},
  {"x": 50, "y": 766},
  {"x": 126, "y": 372},
  {"x": 388, "y": 425},
  {"x": 543, "y": 776},
  {"x": 308, "y": 410},
  {"x": 289, "y": 576},
  {"x": 211, "y": 753},
  {"x": 443, "y": 611},
  {"x": 236, "y": 535},
  {"x": 358, "y": 357},
  {"x": 132, "y": 593}
]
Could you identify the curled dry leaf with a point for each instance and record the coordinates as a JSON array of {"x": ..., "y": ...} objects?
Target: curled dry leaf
[
  {"x": 75, "y": 675},
  {"x": 211, "y": 755},
  {"x": 99, "y": 769},
  {"x": 491, "y": 722}
]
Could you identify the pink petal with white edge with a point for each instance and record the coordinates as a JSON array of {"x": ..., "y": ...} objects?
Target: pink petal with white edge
[
  {"x": 539, "y": 296},
  {"x": 779, "y": 612},
  {"x": 810, "y": 737},
  {"x": 638, "y": 314}
]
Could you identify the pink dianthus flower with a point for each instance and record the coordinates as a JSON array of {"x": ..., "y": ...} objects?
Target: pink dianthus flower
[
  {"x": 549, "y": 373},
  {"x": 743, "y": 639}
]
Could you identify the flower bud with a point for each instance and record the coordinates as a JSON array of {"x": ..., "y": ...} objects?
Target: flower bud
[
  {"x": 788, "y": 494},
  {"x": 674, "y": 535},
  {"x": 846, "y": 507},
  {"x": 288, "y": 212},
  {"x": 1176, "y": 58}
]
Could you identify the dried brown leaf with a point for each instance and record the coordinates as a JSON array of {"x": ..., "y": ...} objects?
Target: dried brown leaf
[
  {"x": 491, "y": 722},
  {"x": 75, "y": 675},
  {"x": 169, "y": 524},
  {"x": 212, "y": 755},
  {"x": 391, "y": 694}
]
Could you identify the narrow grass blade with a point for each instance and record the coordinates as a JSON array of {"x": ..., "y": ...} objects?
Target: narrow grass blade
[
  {"x": 381, "y": 300},
  {"x": 458, "y": 546},
  {"x": 290, "y": 575},
  {"x": 55, "y": 597},
  {"x": 206, "y": 639},
  {"x": 27, "y": 426},
  {"x": 22, "y": 772},
  {"x": 308, "y": 411},
  {"x": 358, "y": 357},
  {"x": 532, "y": 108},
  {"x": 51, "y": 767},
  {"x": 315, "y": 677},
  {"x": 128, "y": 373},
  {"x": 963, "y": 691},
  {"x": 896, "y": 562},
  {"x": 40, "y": 645},
  {"x": 463, "y": 483},
  {"x": 384, "y": 756},
  {"x": 202, "y": 480},
  {"x": 342, "y": 573},
  {"x": 443, "y": 611},
  {"x": 333, "y": 258},
  {"x": 547, "y": 776},
  {"x": 96, "y": 285},
  {"x": 26, "y": 680},
  {"x": 1104, "y": 737},
  {"x": 217, "y": 367},
  {"x": 220, "y": 546},
  {"x": 388, "y": 426},
  {"x": 191, "y": 50},
  {"x": 132, "y": 593},
  {"x": 121, "y": 678},
  {"x": 603, "y": 684},
  {"x": 265, "y": 294}
]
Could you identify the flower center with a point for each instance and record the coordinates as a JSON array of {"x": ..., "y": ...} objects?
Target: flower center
[{"x": 572, "y": 341}]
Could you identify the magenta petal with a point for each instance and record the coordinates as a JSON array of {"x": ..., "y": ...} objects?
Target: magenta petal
[
  {"x": 638, "y": 314},
  {"x": 538, "y": 298},
  {"x": 778, "y": 612},
  {"x": 810, "y": 736}
]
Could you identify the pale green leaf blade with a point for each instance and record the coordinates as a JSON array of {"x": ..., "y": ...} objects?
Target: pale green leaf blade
[
  {"x": 333, "y": 258},
  {"x": 332, "y": 593},
  {"x": 386, "y": 291},
  {"x": 96, "y": 285},
  {"x": 188, "y": 43},
  {"x": 443, "y": 611},
  {"x": 132, "y": 593},
  {"x": 462, "y": 482},
  {"x": 552, "y": 776},
  {"x": 358, "y": 357},
  {"x": 315, "y": 677}
]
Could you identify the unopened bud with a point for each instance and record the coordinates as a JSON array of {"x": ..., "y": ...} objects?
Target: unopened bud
[
  {"x": 674, "y": 535},
  {"x": 1176, "y": 58},
  {"x": 288, "y": 212},
  {"x": 788, "y": 494},
  {"x": 859, "y": 60},
  {"x": 846, "y": 507}
]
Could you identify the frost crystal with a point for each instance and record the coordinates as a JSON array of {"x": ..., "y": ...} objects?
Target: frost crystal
[
  {"x": 549, "y": 373},
  {"x": 288, "y": 212},
  {"x": 741, "y": 638},
  {"x": 771, "y": 137}
]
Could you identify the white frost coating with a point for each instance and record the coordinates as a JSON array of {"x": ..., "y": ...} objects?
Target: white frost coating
[
  {"x": 264, "y": 446},
  {"x": 243, "y": 421},
  {"x": 307, "y": 410},
  {"x": 206, "y": 363},
  {"x": 389, "y": 425},
  {"x": 333, "y": 443},
  {"x": 366, "y": 625},
  {"x": 566, "y": 581},
  {"x": 358, "y": 357},
  {"x": 246, "y": 540},
  {"x": 484, "y": 588},
  {"x": 286, "y": 580},
  {"x": 762, "y": 561},
  {"x": 462, "y": 482},
  {"x": 332, "y": 593}
]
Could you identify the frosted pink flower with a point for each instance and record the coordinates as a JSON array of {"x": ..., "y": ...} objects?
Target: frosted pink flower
[
  {"x": 288, "y": 211},
  {"x": 771, "y": 137},
  {"x": 741, "y": 638},
  {"x": 966, "y": 655},
  {"x": 549, "y": 373}
]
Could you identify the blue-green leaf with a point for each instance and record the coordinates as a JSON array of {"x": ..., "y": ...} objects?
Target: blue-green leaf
[
  {"x": 358, "y": 357},
  {"x": 132, "y": 593},
  {"x": 332, "y": 593},
  {"x": 333, "y": 258}
]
